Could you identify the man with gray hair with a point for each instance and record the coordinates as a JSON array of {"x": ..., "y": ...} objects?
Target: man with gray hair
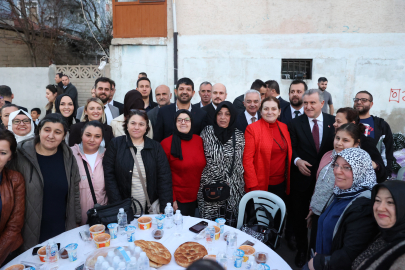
[
  {"x": 218, "y": 95},
  {"x": 312, "y": 136},
  {"x": 205, "y": 93},
  {"x": 163, "y": 96},
  {"x": 251, "y": 102}
]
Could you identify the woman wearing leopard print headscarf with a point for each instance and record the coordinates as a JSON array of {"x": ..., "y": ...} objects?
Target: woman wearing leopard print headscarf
[{"x": 346, "y": 225}]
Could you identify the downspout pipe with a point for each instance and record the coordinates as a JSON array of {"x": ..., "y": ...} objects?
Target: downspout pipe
[{"x": 175, "y": 56}]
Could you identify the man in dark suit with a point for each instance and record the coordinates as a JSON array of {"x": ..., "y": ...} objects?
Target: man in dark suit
[
  {"x": 58, "y": 80},
  {"x": 114, "y": 103},
  {"x": 163, "y": 96},
  {"x": 258, "y": 85},
  {"x": 295, "y": 108},
  {"x": 7, "y": 96},
  {"x": 218, "y": 95},
  {"x": 273, "y": 89},
  {"x": 205, "y": 93},
  {"x": 70, "y": 89},
  {"x": 165, "y": 119},
  {"x": 311, "y": 137},
  {"x": 143, "y": 86},
  {"x": 251, "y": 114}
]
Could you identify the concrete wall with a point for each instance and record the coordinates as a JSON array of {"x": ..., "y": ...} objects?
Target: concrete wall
[{"x": 28, "y": 86}]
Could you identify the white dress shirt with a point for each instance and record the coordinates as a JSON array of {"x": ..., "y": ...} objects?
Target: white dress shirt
[
  {"x": 189, "y": 109},
  {"x": 201, "y": 105},
  {"x": 108, "y": 114},
  {"x": 278, "y": 97},
  {"x": 111, "y": 102},
  {"x": 249, "y": 117},
  {"x": 311, "y": 125},
  {"x": 293, "y": 110}
]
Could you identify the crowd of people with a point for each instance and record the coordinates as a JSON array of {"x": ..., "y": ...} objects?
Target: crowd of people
[{"x": 206, "y": 157}]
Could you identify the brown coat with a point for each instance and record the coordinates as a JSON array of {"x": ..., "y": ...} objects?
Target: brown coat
[{"x": 12, "y": 190}]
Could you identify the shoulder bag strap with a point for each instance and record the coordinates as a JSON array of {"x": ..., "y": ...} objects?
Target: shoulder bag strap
[
  {"x": 90, "y": 183},
  {"x": 140, "y": 176}
]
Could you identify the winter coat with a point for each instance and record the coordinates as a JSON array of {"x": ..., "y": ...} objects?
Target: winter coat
[
  {"x": 118, "y": 166},
  {"x": 383, "y": 128},
  {"x": 12, "y": 190},
  {"x": 27, "y": 164}
]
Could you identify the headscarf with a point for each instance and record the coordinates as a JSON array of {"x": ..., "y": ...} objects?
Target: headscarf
[
  {"x": 363, "y": 173},
  {"x": 10, "y": 126},
  {"x": 178, "y": 136},
  {"x": 224, "y": 134},
  {"x": 397, "y": 190},
  {"x": 69, "y": 120},
  {"x": 133, "y": 100}
]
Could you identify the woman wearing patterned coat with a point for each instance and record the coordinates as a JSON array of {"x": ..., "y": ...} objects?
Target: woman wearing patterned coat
[{"x": 223, "y": 148}]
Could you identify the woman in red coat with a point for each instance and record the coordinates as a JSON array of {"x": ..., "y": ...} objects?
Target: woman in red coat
[
  {"x": 185, "y": 152},
  {"x": 267, "y": 155}
]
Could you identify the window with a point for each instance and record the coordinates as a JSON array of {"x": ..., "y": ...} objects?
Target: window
[{"x": 292, "y": 69}]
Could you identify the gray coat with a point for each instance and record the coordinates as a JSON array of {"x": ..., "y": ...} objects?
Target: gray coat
[
  {"x": 27, "y": 164},
  {"x": 114, "y": 111}
]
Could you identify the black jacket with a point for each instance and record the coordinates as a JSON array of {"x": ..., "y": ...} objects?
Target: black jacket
[
  {"x": 303, "y": 146},
  {"x": 210, "y": 110},
  {"x": 165, "y": 122},
  {"x": 356, "y": 230},
  {"x": 285, "y": 116},
  {"x": 283, "y": 103},
  {"x": 119, "y": 105},
  {"x": 238, "y": 103},
  {"x": 368, "y": 145},
  {"x": 241, "y": 121},
  {"x": 118, "y": 165},
  {"x": 196, "y": 106},
  {"x": 152, "y": 115},
  {"x": 382, "y": 128},
  {"x": 76, "y": 131},
  {"x": 72, "y": 92}
]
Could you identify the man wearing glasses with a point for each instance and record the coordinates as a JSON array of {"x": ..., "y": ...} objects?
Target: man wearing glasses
[{"x": 376, "y": 127}]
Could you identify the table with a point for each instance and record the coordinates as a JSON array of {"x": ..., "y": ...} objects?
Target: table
[{"x": 170, "y": 241}]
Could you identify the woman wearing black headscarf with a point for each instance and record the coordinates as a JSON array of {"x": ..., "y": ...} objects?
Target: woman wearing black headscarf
[
  {"x": 185, "y": 153},
  {"x": 65, "y": 106},
  {"x": 388, "y": 250},
  {"x": 132, "y": 101},
  {"x": 222, "y": 184}
]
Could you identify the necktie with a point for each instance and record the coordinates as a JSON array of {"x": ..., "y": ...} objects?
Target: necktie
[
  {"x": 253, "y": 119},
  {"x": 105, "y": 107},
  {"x": 315, "y": 134},
  {"x": 297, "y": 113}
]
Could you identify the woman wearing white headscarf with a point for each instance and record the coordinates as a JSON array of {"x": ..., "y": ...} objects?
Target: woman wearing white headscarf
[
  {"x": 21, "y": 125},
  {"x": 346, "y": 225}
]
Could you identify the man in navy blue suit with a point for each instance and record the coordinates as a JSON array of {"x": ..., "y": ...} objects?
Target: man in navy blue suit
[
  {"x": 295, "y": 108},
  {"x": 273, "y": 89},
  {"x": 250, "y": 115}
]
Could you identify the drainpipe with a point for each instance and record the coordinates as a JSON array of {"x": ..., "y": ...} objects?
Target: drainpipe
[{"x": 175, "y": 56}]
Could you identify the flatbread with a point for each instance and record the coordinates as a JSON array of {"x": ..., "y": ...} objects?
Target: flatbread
[
  {"x": 154, "y": 265},
  {"x": 155, "y": 251},
  {"x": 188, "y": 253}
]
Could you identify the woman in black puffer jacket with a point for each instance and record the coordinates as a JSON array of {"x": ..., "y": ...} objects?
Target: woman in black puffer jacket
[{"x": 121, "y": 174}]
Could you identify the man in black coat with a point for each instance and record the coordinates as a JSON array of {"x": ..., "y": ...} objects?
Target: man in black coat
[
  {"x": 70, "y": 89},
  {"x": 58, "y": 80},
  {"x": 251, "y": 114},
  {"x": 312, "y": 136},
  {"x": 114, "y": 103},
  {"x": 273, "y": 89},
  {"x": 218, "y": 95},
  {"x": 163, "y": 96},
  {"x": 8, "y": 96},
  {"x": 295, "y": 108},
  {"x": 205, "y": 93},
  {"x": 165, "y": 119},
  {"x": 258, "y": 85}
]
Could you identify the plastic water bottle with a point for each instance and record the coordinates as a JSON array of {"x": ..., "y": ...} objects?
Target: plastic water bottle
[
  {"x": 110, "y": 268},
  {"x": 131, "y": 247},
  {"x": 143, "y": 262},
  {"x": 105, "y": 266},
  {"x": 251, "y": 263},
  {"x": 169, "y": 216},
  {"x": 99, "y": 263},
  {"x": 132, "y": 265},
  {"x": 178, "y": 220},
  {"x": 110, "y": 257},
  {"x": 122, "y": 266},
  {"x": 231, "y": 243},
  {"x": 122, "y": 220},
  {"x": 116, "y": 262},
  {"x": 138, "y": 251},
  {"x": 52, "y": 254}
]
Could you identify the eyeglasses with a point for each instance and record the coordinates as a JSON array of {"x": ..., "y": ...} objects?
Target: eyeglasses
[
  {"x": 360, "y": 99},
  {"x": 344, "y": 168},
  {"x": 186, "y": 120},
  {"x": 18, "y": 121}
]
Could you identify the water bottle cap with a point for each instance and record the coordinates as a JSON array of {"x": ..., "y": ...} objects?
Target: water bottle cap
[
  {"x": 169, "y": 204},
  {"x": 111, "y": 253},
  {"x": 138, "y": 249},
  {"x": 100, "y": 259},
  {"x": 105, "y": 264},
  {"x": 143, "y": 254},
  {"x": 133, "y": 259},
  {"x": 110, "y": 268},
  {"x": 122, "y": 264},
  {"x": 116, "y": 258},
  {"x": 121, "y": 210},
  {"x": 178, "y": 212}
]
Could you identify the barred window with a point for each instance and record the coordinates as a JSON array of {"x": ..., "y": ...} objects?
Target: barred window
[{"x": 292, "y": 69}]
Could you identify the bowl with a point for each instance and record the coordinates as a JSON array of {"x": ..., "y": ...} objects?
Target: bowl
[
  {"x": 158, "y": 234},
  {"x": 96, "y": 229},
  {"x": 42, "y": 254},
  {"x": 102, "y": 240},
  {"x": 249, "y": 250},
  {"x": 144, "y": 223}
]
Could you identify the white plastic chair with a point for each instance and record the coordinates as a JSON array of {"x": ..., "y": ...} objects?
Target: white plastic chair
[
  {"x": 400, "y": 175},
  {"x": 271, "y": 201}
]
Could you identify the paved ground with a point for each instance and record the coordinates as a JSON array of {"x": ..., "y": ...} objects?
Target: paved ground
[{"x": 286, "y": 254}]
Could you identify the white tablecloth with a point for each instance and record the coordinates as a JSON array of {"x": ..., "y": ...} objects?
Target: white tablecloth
[{"x": 169, "y": 241}]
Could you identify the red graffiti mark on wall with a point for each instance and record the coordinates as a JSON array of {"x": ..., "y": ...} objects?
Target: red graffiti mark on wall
[
  {"x": 403, "y": 98},
  {"x": 395, "y": 95}
]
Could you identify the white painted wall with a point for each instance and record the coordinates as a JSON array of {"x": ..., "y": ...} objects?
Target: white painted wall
[{"x": 28, "y": 85}]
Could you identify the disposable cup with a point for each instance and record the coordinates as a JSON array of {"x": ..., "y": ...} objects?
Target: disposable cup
[
  {"x": 102, "y": 240},
  {"x": 217, "y": 232},
  {"x": 96, "y": 229},
  {"x": 130, "y": 230},
  {"x": 113, "y": 229},
  {"x": 72, "y": 252}
]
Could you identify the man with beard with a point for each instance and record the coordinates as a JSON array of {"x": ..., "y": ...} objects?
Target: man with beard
[
  {"x": 165, "y": 119},
  {"x": 163, "y": 96},
  {"x": 376, "y": 127},
  {"x": 143, "y": 86},
  {"x": 295, "y": 108},
  {"x": 205, "y": 93},
  {"x": 218, "y": 95},
  {"x": 252, "y": 104},
  {"x": 114, "y": 103},
  {"x": 322, "y": 84},
  {"x": 103, "y": 92}
]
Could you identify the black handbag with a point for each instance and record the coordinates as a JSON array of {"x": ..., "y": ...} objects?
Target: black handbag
[
  {"x": 264, "y": 233},
  {"x": 218, "y": 192},
  {"x": 106, "y": 214}
]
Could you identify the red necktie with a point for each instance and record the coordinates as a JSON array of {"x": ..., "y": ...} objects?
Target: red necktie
[{"x": 315, "y": 134}]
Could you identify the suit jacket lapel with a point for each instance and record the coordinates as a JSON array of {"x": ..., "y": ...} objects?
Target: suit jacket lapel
[
  {"x": 326, "y": 131},
  {"x": 307, "y": 130}
]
